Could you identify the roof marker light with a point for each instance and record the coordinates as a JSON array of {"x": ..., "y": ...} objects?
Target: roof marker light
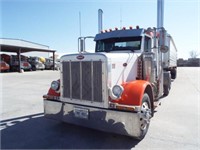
[
  {"x": 124, "y": 28},
  {"x": 130, "y": 27}
]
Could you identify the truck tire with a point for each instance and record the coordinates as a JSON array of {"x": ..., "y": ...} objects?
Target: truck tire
[
  {"x": 145, "y": 116},
  {"x": 166, "y": 88},
  {"x": 167, "y": 83},
  {"x": 173, "y": 73}
]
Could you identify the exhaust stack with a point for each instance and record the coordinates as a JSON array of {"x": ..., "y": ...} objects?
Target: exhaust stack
[
  {"x": 163, "y": 44},
  {"x": 100, "y": 20},
  {"x": 160, "y": 13}
]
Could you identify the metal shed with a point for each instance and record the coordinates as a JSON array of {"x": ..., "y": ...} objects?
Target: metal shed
[{"x": 22, "y": 46}]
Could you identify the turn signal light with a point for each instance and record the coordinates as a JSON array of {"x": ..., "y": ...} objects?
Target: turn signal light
[{"x": 125, "y": 108}]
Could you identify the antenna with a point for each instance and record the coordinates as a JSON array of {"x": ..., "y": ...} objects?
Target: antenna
[
  {"x": 120, "y": 17},
  {"x": 80, "y": 23}
]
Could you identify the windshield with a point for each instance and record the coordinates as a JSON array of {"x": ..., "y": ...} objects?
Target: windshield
[{"x": 118, "y": 44}]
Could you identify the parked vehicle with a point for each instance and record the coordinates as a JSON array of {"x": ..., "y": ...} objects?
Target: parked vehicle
[
  {"x": 4, "y": 62},
  {"x": 49, "y": 64},
  {"x": 4, "y": 66},
  {"x": 36, "y": 63},
  {"x": 117, "y": 88},
  {"x": 25, "y": 65},
  {"x": 6, "y": 58},
  {"x": 13, "y": 62}
]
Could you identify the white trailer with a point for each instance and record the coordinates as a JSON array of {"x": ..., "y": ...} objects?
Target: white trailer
[{"x": 170, "y": 58}]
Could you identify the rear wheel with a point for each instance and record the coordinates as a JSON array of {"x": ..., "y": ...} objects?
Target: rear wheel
[
  {"x": 166, "y": 90},
  {"x": 167, "y": 83},
  {"x": 145, "y": 116},
  {"x": 173, "y": 73}
]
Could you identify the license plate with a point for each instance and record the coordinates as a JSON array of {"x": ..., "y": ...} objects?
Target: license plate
[{"x": 81, "y": 112}]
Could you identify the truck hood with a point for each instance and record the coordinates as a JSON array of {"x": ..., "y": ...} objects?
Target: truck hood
[
  {"x": 122, "y": 67},
  {"x": 120, "y": 57}
]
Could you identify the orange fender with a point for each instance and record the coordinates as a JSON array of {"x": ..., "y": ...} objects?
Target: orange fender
[
  {"x": 53, "y": 93},
  {"x": 133, "y": 93}
]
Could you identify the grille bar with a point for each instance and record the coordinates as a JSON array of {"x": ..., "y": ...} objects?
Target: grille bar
[{"x": 82, "y": 80}]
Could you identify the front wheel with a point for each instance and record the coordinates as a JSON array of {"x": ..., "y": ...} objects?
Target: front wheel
[{"x": 145, "y": 116}]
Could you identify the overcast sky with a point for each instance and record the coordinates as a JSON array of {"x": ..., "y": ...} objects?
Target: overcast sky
[{"x": 56, "y": 22}]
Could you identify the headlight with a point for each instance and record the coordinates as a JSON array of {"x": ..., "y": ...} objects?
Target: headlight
[
  {"x": 55, "y": 85},
  {"x": 116, "y": 92}
]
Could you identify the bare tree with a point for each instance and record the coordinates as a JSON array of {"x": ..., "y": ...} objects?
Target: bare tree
[{"x": 194, "y": 54}]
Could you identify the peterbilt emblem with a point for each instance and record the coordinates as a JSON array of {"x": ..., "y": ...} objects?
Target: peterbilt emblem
[{"x": 80, "y": 57}]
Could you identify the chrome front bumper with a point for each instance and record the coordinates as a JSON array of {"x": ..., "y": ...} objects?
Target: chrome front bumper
[{"x": 120, "y": 122}]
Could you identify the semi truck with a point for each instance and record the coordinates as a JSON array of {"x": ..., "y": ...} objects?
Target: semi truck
[
  {"x": 50, "y": 65},
  {"x": 25, "y": 65},
  {"x": 13, "y": 62},
  {"x": 116, "y": 88},
  {"x": 4, "y": 66}
]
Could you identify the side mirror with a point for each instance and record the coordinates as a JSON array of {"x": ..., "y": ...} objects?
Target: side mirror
[{"x": 81, "y": 45}]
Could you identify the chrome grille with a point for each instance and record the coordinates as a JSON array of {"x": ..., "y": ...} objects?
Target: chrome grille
[{"x": 82, "y": 80}]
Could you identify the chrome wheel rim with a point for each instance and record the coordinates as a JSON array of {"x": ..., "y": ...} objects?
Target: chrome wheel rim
[{"x": 145, "y": 116}]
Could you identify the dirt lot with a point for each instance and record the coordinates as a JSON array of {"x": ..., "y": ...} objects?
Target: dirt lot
[{"x": 176, "y": 124}]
